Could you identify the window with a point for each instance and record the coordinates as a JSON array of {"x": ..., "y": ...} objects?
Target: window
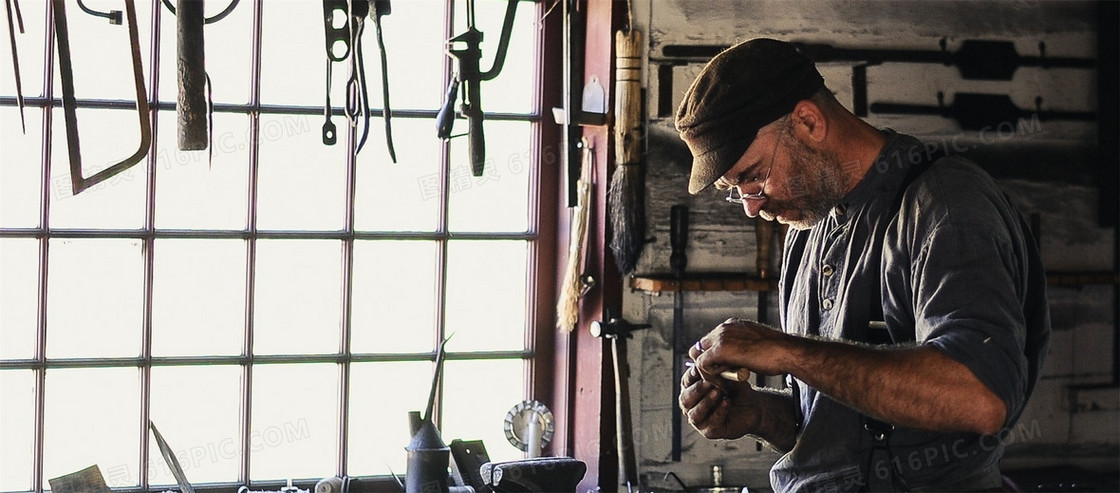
[{"x": 273, "y": 307}]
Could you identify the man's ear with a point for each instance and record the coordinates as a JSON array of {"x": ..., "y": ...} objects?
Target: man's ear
[{"x": 809, "y": 122}]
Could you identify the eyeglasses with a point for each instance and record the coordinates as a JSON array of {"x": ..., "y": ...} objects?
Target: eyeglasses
[{"x": 735, "y": 197}]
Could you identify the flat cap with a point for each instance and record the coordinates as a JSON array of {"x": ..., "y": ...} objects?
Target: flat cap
[{"x": 741, "y": 90}]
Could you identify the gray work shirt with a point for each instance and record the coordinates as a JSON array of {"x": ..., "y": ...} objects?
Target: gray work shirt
[{"x": 955, "y": 268}]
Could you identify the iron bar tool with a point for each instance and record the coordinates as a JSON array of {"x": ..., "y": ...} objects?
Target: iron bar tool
[
  {"x": 192, "y": 104},
  {"x": 678, "y": 241},
  {"x": 9, "y": 7}
]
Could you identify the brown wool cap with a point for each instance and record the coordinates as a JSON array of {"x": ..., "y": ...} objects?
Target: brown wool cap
[{"x": 741, "y": 90}]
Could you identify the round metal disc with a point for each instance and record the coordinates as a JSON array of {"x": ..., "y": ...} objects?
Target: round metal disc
[{"x": 517, "y": 420}]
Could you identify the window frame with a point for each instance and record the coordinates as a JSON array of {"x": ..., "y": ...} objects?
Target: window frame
[{"x": 540, "y": 236}]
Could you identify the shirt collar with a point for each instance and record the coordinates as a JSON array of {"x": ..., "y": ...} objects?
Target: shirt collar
[{"x": 883, "y": 177}]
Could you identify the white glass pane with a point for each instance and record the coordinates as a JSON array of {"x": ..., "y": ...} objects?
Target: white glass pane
[
  {"x": 30, "y": 50},
  {"x": 486, "y": 295},
  {"x": 512, "y": 90},
  {"x": 198, "y": 411},
  {"x": 298, "y": 296},
  {"x": 17, "y": 428},
  {"x": 198, "y": 298},
  {"x": 100, "y": 53},
  {"x": 92, "y": 417},
  {"x": 499, "y": 199},
  {"x": 294, "y": 60},
  {"x": 379, "y": 426},
  {"x": 402, "y": 196},
  {"x": 19, "y": 295},
  {"x": 228, "y": 49},
  {"x": 107, "y": 136},
  {"x": 302, "y": 183},
  {"x": 295, "y": 421},
  {"x": 195, "y": 193},
  {"x": 394, "y": 296},
  {"x": 21, "y": 173},
  {"x": 414, "y": 46},
  {"x": 477, "y": 395},
  {"x": 94, "y": 297}
]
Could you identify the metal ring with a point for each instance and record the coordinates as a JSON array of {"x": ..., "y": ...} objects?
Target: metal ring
[{"x": 217, "y": 17}]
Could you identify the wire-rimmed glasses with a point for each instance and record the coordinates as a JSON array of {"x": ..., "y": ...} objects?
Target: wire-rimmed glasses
[{"x": 736, "y": 197}]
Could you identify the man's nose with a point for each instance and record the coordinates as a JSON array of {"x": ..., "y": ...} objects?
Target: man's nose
[{"x": 752, "y": 207}]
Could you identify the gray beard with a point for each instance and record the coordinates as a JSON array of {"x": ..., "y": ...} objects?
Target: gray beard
[{"x": 817, "y": 185}]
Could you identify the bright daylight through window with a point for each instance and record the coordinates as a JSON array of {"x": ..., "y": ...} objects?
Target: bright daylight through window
[{"x": 273, "y": 304}]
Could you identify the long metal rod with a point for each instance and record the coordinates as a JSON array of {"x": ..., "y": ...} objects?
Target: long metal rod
[
  {"x": 37, "y": 478},
  {"x": 149, "y": 258},
  {"x": 34, "y": 363},
  {"x": 251, "y": 246},
  {"x": 264, "y": 109},
  {"x": 264, "y": 235},
  {"x": 344, "y": 368}
]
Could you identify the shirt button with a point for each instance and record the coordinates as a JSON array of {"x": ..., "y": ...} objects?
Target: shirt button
[
  {"x": 826, "y": 304},
  {"x": 826, "y": 270}
]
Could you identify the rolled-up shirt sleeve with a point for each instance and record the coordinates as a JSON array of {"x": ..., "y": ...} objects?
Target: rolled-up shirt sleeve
[{"x": 967, "y": 303}]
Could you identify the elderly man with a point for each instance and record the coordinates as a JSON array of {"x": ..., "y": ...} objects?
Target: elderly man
[{"x": 913, "y": 304}]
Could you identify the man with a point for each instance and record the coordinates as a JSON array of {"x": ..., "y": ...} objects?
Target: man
[{"x": 913, "y": 302}]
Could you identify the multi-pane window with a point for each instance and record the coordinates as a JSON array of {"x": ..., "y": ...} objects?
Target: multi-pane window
[{"x": 273, "y": 304}]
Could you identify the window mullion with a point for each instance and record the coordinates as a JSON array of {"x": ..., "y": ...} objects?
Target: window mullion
[
  {"x": 44, "y": 252},
  {"x": 251, "y": 242},
  {"x": 347, "y": 302},
  {"x": 149, "y": 252}
]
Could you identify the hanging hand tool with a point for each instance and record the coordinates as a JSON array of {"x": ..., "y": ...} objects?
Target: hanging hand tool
[
  {"x": 625, "y": 197},
  {"x": 568, "y": 115},
  {"x": 192, "y": 107},
  {"x": 567, "y": 309},
  {"x": 678, "y": 241},
  {"x": 618, "y": 331},
  {"x": 335, "y": 37},
  {"x": 357, "y": 100},
  {"x": 70, "y": 106},
  {"x": 9, "y": 7},
  {"x": 470, "y": 73},
  {"x": 348, "y": 38},
  {"x": 195, "y": 109},
  {"x": 378, "y": 9}
]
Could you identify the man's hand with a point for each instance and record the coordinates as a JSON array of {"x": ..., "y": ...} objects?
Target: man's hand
[
  {"x": 738, "y": 344},
  {"x": 718, "y": 410}
]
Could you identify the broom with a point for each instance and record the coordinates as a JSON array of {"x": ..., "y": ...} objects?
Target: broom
[
  {"x": 567, "y": 308},
  {"x": 625, "y": 196}
]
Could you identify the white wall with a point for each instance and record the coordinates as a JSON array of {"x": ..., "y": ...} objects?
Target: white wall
[{"x": 1045, "y": 166}]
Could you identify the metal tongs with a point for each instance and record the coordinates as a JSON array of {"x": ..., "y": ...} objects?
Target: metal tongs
[{"x": 349, "y": 38}]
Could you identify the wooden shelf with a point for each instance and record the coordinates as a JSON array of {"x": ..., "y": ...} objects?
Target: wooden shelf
[
  {"x": 1081, "y": 278},
  {"x": 703, "y": 281},
  {"x": 739, "y": 281}
]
